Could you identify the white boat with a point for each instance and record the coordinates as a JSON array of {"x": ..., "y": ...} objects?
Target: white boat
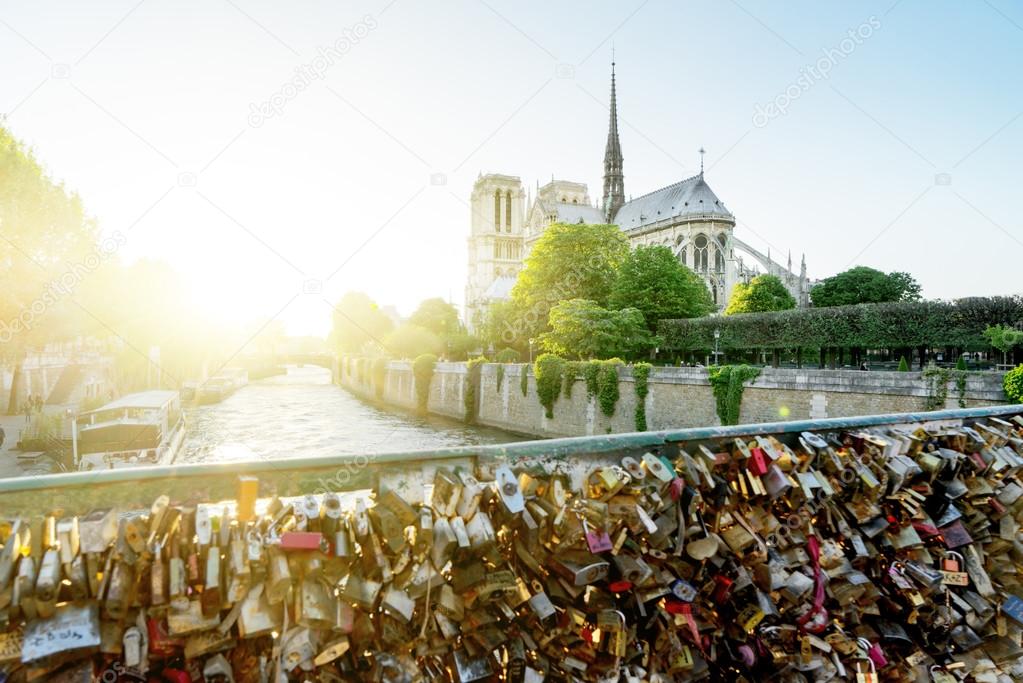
[
  {"x": 216, "y": 388},
  {"x": 147, "y": 428}
]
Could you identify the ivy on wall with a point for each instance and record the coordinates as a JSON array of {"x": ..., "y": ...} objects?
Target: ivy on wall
[
  {"x": 727, "y": 383},
  {"x": 590, "y": 372},
  {"x": 524, "y": 379},
  {"x": 500, "y": 376},
  {"x": 473, "y": 373},
  {"x": 607, "y": 385},
  {"x": 422, "y": 371},
  {"x": 641, "y": 377},
  {"x": 1012, "y": 383},
  {"x": 936, "y": 380},
  {"x": 548, "y": 370},
  {"x": 572, "y": 370},
  {"x": 379, "y": 376}
]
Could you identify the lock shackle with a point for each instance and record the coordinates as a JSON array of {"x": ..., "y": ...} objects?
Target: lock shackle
[
  {"x": 958, "y": 556},
  {"x": 866, "y": 645}
]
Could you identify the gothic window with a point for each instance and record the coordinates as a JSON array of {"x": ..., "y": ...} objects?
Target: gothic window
[
  {"x": 719, "y": 254},
  {"x": 507, "y": 210},
  {"x": 497, "y": 210},
  {"x": 700, "y": 260},
  {"x": 497, "y": 250}
]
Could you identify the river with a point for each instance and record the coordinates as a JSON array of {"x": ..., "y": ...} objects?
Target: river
[{"x": 302, "y": 414}]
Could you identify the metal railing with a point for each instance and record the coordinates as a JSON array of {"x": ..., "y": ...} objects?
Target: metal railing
[{"x": 78, "y": 492}]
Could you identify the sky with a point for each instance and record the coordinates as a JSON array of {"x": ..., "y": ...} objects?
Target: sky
[{"x": 885, "y": 134}]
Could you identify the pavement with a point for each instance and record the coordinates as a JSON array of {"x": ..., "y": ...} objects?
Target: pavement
[{"x": 10, "y": 466}]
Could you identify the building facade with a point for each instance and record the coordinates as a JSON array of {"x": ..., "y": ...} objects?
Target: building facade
[{"x": 686, "y": 216}]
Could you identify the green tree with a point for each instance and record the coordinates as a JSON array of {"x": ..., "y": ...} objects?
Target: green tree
[
  {"x": 652, "y": 280},
  {"x": 1003, "y": 338},
  {"x": 577, "y": 261},
  {"x": 438, "y": 316},
  {"x": 863, "y": 285},
  {"x": 501, "y": 326},
  {"x": 359, "y": 323},
  {"x": 581, "y": 328},
  {"x": 409, "y": 341},
  {"x": 763, "y": 293}
]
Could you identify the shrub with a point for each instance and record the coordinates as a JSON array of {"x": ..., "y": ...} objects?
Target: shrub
[
  {"x": 961, "y": 363},
  {"x": 727, "y": 383},
  {"x": 474, "y": 368},
  {"x": 524, "y": 379},
  {"x": 379, "y": 376},
  {"x": 1013, "y": 384},
  {"x": 641, "y": 377},
  {"x": 507, "y": 356},
  {"x": 548, "y": 370},
  {"x": 903, "y": 365},
  {"x": 422, "y": 371}
]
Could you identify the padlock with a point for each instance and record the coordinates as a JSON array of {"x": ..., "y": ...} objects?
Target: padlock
[
  {"x": 211, "y": 598},
  {"x": 507, "y": 485},
  {"x": 278, "y": 576},
  {"x": 952, "y": 570},
  {"x": 598, "y": 541},
  {"x": 157, "y": 577},
  {"x": 315, "y": 604},
  {"x": 23, "y": 593},
  {"x": 866, "y": 672}
]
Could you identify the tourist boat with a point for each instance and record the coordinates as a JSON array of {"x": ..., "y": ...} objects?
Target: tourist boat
[
  {"x": 216, "y": 388},
  {"x": 147, "y": 428}
]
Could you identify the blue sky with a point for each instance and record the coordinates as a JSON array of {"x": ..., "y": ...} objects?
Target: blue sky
[{"x": 903, "y": 158}]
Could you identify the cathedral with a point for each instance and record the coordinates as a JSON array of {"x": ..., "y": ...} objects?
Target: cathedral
[{"x": 686, "y": 216}]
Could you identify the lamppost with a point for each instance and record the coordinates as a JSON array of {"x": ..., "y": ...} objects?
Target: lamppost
[
  {"x": 531, "y": 342},
  {"x": 717, "y": 338}
]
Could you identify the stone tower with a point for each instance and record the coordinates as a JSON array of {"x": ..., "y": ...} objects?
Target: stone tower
[
  {"x": 498, "y": 207},
  {"x": 614, "y": 180}
]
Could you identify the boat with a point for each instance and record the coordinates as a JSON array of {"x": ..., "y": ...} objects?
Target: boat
[
  {"x": 145, "y": 428},
  {"x": 216, "y": 388}
]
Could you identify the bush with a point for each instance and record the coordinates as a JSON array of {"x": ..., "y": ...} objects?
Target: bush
[
  {"x": 548, "y": 370},
  {"x": 507, "y": 356},
  {"x": 422, "y": 371},
  {"x": 379, "y": 375},
  {"x": 524, "y": 379},
  {"x": 903, "y": 365},
  {"x": 961, "y": 363},
  {"x": 960, "y": 323},
  {"x": 1013, "y": 384},
  {"x": 641, "y": 377}
]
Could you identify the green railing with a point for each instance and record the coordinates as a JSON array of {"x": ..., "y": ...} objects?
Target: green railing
[{"x": 78, "y": 492}]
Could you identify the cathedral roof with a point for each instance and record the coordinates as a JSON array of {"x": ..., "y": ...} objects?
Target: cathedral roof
[
  {"x": 578, "y": 213},
  {"x": 500, "y": 288},
  {"x": 689, "y": 198}
]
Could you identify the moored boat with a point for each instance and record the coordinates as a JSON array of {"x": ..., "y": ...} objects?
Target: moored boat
[{"x": 145, "y": 428}]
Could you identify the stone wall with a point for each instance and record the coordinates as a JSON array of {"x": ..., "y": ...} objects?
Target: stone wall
[{"x": 677, "y": 397}]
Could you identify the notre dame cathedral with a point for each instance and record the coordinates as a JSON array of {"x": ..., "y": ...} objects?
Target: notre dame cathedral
[{"x": 686, "y": 217}]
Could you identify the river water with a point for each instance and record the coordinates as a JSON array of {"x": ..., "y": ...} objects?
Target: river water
[{"x": 302, "y": 414}]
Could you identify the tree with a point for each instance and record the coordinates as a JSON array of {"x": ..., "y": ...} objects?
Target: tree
[
  {"x": 763, "y": 293},
  {"x": 581, "y": 328},
  {"x": 409, "y": 341},
  {"x": 577, "y": 261},
  {"x": 501, "y": 326},
  {"x": 652, "y": 280},
  {"x": 863, "y": 285},
  {"x": 359, "y": 322},
  {"x": 438, "y": 316},
  {"x": 1003, "y": 338}
]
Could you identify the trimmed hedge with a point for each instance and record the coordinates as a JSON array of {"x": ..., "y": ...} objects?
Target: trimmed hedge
[
  {"x": 960, "y": 323},
  {"x": 474, "y": 370},
  {"x": 1013, "y": 384},
  {"x": 422, "y": 371}
]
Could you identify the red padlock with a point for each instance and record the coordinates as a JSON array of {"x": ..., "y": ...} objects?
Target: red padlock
[
  {"x": 722, "y": 589},
  {"x": 757, "y": 463},
  {"x": 304, "y": 540}
]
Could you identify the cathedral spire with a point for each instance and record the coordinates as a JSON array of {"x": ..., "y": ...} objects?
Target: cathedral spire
[{"x": 614, "y": 180}]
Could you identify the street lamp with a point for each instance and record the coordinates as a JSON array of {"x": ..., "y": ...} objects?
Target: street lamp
[
  {"x": 717, "y": 338},
  {"x": 531, "y": 342}
]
